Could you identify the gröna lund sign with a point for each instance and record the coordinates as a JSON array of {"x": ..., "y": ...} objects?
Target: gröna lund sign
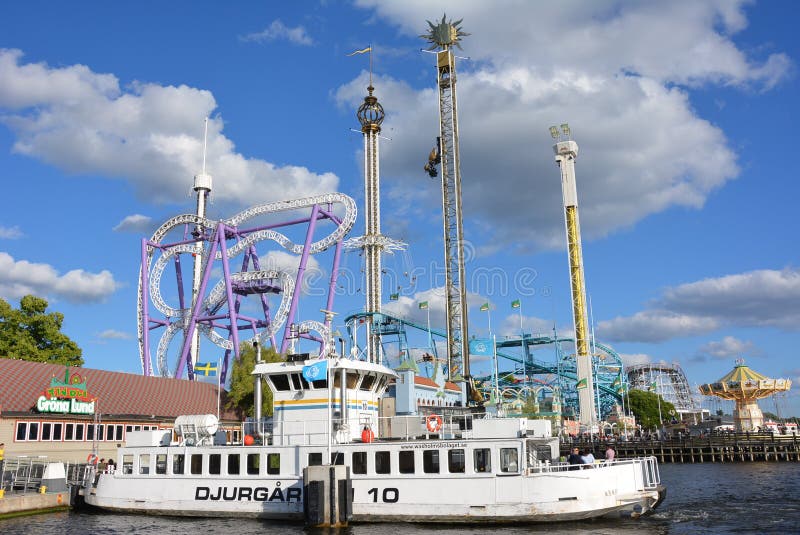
[{"x": 67, "y": 396}]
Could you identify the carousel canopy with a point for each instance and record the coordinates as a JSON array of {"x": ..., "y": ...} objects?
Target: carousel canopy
[{"x": 744, "y": 383}]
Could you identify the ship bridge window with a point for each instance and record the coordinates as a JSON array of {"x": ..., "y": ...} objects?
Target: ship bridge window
[
  {"x": 455, "y": 461},
  {"x": 296, "y": 381},
  {"x": 280, "y": 382},
  {"x": 352, "y": 380},
  {"x": 233, "y": 464},
  {"x": 483, "y": 460},
  {"x": 406, "y": 461},
  {"x": 322, "y": 383},
  {"x": 215, "y": 464},
  {"x": 196, "y": 464},
  {"x": 367, "y": 382},
  {"x": 359, "y": 462},
  {"x": 430, "y": 461},
  {"x": 383, "y": 463},
  {"x": 253, "y": 464},
  {"x": 273, "y": 464},
  {"x": 178, "y": 461},
  {"x": 509, "y": 460}
]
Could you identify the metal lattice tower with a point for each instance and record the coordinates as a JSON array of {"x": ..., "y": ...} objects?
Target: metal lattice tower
[
  {"x": 566, "y": 151},
  {"x": 443, "y": 36},
  {"x": 370, "y": 115}
]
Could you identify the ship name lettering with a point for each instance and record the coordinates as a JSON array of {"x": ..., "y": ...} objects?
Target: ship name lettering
[{"x": 258, "y": 494}]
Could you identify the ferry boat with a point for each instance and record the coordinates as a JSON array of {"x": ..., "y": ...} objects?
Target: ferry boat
[{"x": 430, "y": 468}]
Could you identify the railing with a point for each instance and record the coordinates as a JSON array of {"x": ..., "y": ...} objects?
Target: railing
[
  {"x": 24, "y": 474},
  {"x": 649, "y": 466}
]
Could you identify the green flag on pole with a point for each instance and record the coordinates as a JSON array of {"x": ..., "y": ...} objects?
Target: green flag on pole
[
  {"x": 394, "y": 297},
  {"x": 484, "y": 307},
  {"x": 423, "y": 305},
  {"x": 583, "y": 383},
  {"x": 515, "y": 303}
]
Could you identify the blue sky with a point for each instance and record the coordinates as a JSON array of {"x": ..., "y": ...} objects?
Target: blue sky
[{"x": 684, "y": 113}]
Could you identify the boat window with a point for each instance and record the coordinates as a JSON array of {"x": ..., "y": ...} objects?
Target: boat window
[
  {"x": 196, "y": 464},
  {"x": 315, "y": 459},
  {"x": 483, "y": 460},
  {"x": 178, "y": 461},
  {"x": 359, "y": 462},
  {"x": 280, "y": 382},
  {"x": 509, "y": 460},
  {"x": 382, "y": 462},
  {"x": 367, "y": 382},
  {"x": 253, "y": 464},
  {"x": 406, "y": 462},
  {"x": 127, "y": 464},
  {"x": 322, "y": 383},
  {"x": 233, "y": 464},
  {"x": 144, "y": 463},
  {"x": 455, "y": 461},
  {"x": 430, "y": 461},
  {"x": 352, "y": 379},
  {"x": 215, "y": 464},
  {"x": 161, "y": 463},
  {"x": 296, "y": 381},
  {"x": 337, "y": 457},
  {"x": 273, "y": 463}
]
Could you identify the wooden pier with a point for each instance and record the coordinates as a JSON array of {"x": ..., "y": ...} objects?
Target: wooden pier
[{"x": 728, "y": 448}]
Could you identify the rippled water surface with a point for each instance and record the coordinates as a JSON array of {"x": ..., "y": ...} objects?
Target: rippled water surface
[{"x": 701, "y": 498}]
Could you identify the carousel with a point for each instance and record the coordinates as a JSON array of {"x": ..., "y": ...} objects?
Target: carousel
[{"x": 745, "y": 387}]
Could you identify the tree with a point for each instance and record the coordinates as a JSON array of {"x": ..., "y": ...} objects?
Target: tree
[
  {"x": 30, "y": 333},
  {"x": 645, "y": 406},
  {"x": 241, "y": 393}
]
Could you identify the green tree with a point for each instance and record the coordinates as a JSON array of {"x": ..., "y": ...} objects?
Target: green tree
[
  {"x": 645, "y": 406},
  {"x": 31, "y": 333},
  {"x": 240, "y": 395}
]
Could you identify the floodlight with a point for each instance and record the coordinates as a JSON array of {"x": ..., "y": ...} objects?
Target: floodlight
[
  {"x": 565, "y": 129},
  {"x": 554, "y": 132}
]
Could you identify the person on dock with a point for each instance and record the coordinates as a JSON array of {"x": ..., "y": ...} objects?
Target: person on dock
[
  {"x": 575, "y": 459},
  {"x": 610, "y": 454}
]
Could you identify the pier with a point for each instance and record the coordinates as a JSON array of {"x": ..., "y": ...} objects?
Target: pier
[{"x": 727, "y": 448}]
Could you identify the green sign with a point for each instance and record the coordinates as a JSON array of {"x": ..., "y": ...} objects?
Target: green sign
[{"x": 67, "y": 396}]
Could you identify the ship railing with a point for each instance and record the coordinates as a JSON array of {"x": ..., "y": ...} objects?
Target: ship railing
[
  {"x": 425, "y": 426},
  {"x": 648, "y": 465},
  {"x": 652, "y": 478}
]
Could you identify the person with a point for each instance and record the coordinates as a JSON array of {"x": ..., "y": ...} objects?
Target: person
[
  {"x": 112, "y": 466},
  {"x": 574, "y": 459},
  {"x": 610, "y": 454},
  {"x": 587, "y": 457},
  {"x": 101, "y": 466},
  {"x": 2, "y": 462}
]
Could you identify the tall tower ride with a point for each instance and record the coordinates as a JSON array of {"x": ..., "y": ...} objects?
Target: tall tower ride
[
  {"x": 566, "y": 151},
  {"x": 202, "y": 186},
  {"x": 443, "y": 36}
]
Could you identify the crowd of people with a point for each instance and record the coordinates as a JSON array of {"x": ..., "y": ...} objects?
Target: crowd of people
[{"x": 577, "y": 458}]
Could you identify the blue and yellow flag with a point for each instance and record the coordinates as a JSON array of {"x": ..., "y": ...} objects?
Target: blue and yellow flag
[
  {"x": 362, "y": 51},
  {"x": 209, "y": 369}
]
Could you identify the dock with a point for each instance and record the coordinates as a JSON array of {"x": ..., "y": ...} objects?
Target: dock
[{"x": 727, "y": 448}]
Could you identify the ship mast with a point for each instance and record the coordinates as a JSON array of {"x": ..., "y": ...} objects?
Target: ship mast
[
  {"x": 443, "y": 36},
  {"x": 566, "y": 150}
]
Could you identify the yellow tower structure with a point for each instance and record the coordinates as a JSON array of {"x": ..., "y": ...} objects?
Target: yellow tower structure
[{"x": 745, "y": 387}]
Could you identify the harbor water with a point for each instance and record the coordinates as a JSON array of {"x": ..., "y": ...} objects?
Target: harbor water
[{"x": 702, "y": 498}]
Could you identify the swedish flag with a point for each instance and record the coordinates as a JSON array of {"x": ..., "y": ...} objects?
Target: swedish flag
[{"x": 208, "y": 369}]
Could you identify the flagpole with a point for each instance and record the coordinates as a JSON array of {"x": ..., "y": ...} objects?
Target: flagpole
[{"x": 219, "y": 387}]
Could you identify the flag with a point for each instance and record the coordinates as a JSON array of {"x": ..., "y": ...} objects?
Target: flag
[
  {"x": 616, "y": 382},
  {"x": 423, "y": 305},
  {"x": 620, "y": 389},
  {"x": 652, "y": 387},
  {"x": 515, "y": 303},
  {"x": 484, "y": 307},
  {"x": 480, "y": 347},
  {"x": 362, "y": 51},
  {"x": 317, "y": 371},
  {"x": 394, "y": 297},
  {"x": 209, "y": 369},
  {"x": 583, "y": 383}
]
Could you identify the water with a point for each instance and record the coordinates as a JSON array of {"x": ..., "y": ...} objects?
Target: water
[{"x": 701, "y": 498}]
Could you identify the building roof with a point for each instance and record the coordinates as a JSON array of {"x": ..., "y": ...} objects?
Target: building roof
[
  {"x": 425, "y": 381},
  {"x": 118, "y": 394}
]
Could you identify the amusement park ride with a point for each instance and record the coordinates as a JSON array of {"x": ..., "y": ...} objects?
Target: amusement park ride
[{"x": 231, "y": 298}]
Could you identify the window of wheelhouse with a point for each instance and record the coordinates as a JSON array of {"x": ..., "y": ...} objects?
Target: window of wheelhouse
[
  {"x": 455, "y": 461},
  {"x": 430, "y": 461},
  {"x": 509, "y": 460},
  {"x": 359, "y": 462},
  {"x": 406, "y": 461},
  {"x": 483, "y": 460},
  {"x": 280, "y": 382},
  {"x": 367, "y": 382},
  {"x": 383, "y": 463}
]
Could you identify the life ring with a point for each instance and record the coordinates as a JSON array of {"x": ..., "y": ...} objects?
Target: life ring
[
  {"x": 433, "y": 423},
  {"x": 92, "y": 459}
]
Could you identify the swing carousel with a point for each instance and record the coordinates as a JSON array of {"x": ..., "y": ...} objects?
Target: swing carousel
[{"x": 745, "y": 387}]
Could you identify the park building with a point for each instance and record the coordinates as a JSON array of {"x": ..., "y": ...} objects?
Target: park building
[{"x": 63, "y": 412}]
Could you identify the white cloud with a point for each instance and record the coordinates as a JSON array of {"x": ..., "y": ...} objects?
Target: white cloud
[
  {"x": 112, "y": 334},
  {"x": 277, "y": 30},
  {"x": 729, "y": 347},
  {"x": 616, "y": 71},
  {"x": 510, "y": 324},
  {"x": 283, "y": 261},
  {"x": 84, "y": 123},
  {"x": 136, "y": 223},
  {"x": 10, "y": 233},
  {"x": 635, "y": 359},
  {"x": 20, "y": 277},
  {"x": 752, "y": 299}
]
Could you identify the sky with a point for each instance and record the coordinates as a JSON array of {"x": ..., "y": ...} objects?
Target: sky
[{"x": 682, "y": 112}]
